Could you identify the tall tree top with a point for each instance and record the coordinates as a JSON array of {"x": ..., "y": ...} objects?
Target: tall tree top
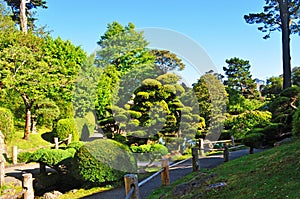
[{"x": 270, "y": 17}]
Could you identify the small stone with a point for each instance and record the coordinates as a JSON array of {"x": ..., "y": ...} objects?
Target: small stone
[
  {"x": 52, "y": 195},
  {"x": 216, "y": 185}
]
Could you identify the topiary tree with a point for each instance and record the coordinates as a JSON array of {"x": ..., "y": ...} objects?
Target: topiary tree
[
  {"x": 64, "y": 127},
  {"x": 6, "y": 123},
  {"x": 149, "y": 151},
  {"x": 102, "y": 161}
]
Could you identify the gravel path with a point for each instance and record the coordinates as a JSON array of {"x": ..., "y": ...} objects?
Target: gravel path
[{"x": 176, "y": 173}]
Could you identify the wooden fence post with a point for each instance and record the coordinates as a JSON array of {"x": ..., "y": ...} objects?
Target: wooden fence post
[
  {"x": 195, "y": 159},
  {"x": 15, "y": 155},
  {"x": 226, "y": 153},
  {"x": 201, "y": 147},
  {"x": 2, "y": 170},
  {"x": 165, "y": 176},
  {"x": 232, "y": 141},
  {"x": 131, "y": 180},
  {"x": 27, "y": 184},
  {"x": 56, "y": 142},
  {"x": 69, "y": 139}
]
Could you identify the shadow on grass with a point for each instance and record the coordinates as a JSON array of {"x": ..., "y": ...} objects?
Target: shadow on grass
[{"x": 48, "y": 136}]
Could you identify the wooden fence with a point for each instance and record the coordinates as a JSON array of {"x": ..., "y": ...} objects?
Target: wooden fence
[
  {"x": 27, "y": 191},
  {"x": 131, "y": 180}
]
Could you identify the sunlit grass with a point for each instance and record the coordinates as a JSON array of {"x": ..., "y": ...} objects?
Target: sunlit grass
[{"x": 270, "y": 174}]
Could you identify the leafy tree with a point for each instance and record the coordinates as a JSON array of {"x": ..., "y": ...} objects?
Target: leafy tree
[
  {"x": 239, "y": 77},
  {"x": 167, "y": 61},
  {"x": 37, "y": 68},
  {"x": 273, "y": 87},
  {"x": 123, "y": 47},
  {"x": 22, "y": 14},
  {"x": 243, "y": 123},
  {"x": 212, "y": 99},
  {"x": 85, "y": 87},
  {"x": 121, "y": 50},
  {"x": 280, "y": 15}
]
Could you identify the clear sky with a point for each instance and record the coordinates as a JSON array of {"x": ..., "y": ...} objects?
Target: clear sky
[{"x": 217, "y": 26}]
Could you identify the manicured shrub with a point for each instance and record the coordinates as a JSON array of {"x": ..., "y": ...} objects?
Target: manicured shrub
[
  {"x": 6, "y": 123},
  {"x": 103, "y": 160},
  {"x": 52, "y": 157},
  {"x": 149, "y": 152},
  {"x": 75, "y": 145},
  {"x": 64, "y": 127},
  {"x": 24, "y": 157}
]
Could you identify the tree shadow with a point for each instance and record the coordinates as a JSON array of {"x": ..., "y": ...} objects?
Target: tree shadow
[{"x": 48, "y": 136}]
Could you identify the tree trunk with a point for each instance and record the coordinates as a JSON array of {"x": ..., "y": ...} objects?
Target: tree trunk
[
  {"x": 33, "y": 124},
  {"x": 251, "y": 150},
  {"x": 27, "y": 124},
  {"x": 23, "y": 17},
  {"x": 284, "y": 16}
]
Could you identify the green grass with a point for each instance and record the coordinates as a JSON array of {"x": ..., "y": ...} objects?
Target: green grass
[
  {"x": 35, "y": 140},
  {"x": 270, "y": 174},
  {"x": 83, "y": 192}
]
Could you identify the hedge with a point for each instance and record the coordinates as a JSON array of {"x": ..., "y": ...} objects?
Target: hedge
[{"x": 103, "y": 160}]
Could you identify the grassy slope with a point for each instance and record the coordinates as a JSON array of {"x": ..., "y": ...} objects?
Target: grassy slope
[{"x": 274, "y": 173}]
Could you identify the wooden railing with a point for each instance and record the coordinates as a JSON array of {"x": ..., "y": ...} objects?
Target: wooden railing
[
  {"x": 27, "y": 191},
  {"x": 131, "y": 180}
]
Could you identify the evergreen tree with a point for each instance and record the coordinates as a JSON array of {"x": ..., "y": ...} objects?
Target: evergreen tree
[
  {"x": 239, "y": 77},
  {"x": 281, "y": 15}
]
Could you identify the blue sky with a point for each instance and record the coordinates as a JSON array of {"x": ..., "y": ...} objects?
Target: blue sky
[{"x": 217, "y": 26}]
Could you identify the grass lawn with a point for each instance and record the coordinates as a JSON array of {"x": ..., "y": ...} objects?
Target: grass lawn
[{"x": 270, "y": 174}]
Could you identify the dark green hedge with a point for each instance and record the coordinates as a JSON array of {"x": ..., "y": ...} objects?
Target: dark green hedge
[{"x": 102, "y": 161}]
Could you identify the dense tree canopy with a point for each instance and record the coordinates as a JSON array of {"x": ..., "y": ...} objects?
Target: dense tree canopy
[{"x": 35, "y": 68}]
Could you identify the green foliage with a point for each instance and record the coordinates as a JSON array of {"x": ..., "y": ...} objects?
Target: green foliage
[
  {"x": 46, "y": 111},
  {"x": 212, "y": 99},
  {"x": 103, "y": 161},
  {"x": 85, "y": 87},
  {"x": 52, "y": 157},
  {"x": 274, "y": 87},
  {"x": 149, "y": 151},
  {"x": 239, "y": 104},
  {"x": 64, "y": 127},
  {"x": 75, "y": 145},
  {"x": 271, "y": 20},
  {"x": 296, "y": 123},
  {"x": 24, "y": 157},
  {"x": 254, "y": 138},
  {"x": 283, "y": 107},
  {"x": 6, "y": 123},
  {"x": 239, "y": 77},
  {"x": 124, "y": 47},
  {"x": 167, "y": 61},
  {"x": 241, "y": 124},
  {"x": 296, "y": 76},
  {"x": 15, "y": 7}
]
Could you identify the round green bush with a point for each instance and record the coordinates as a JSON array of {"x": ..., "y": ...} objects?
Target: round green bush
[
  {"x": 64, "y": 127},
  {"x": 6, "y": 123},
  {"x": 103, "y": 160}
]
